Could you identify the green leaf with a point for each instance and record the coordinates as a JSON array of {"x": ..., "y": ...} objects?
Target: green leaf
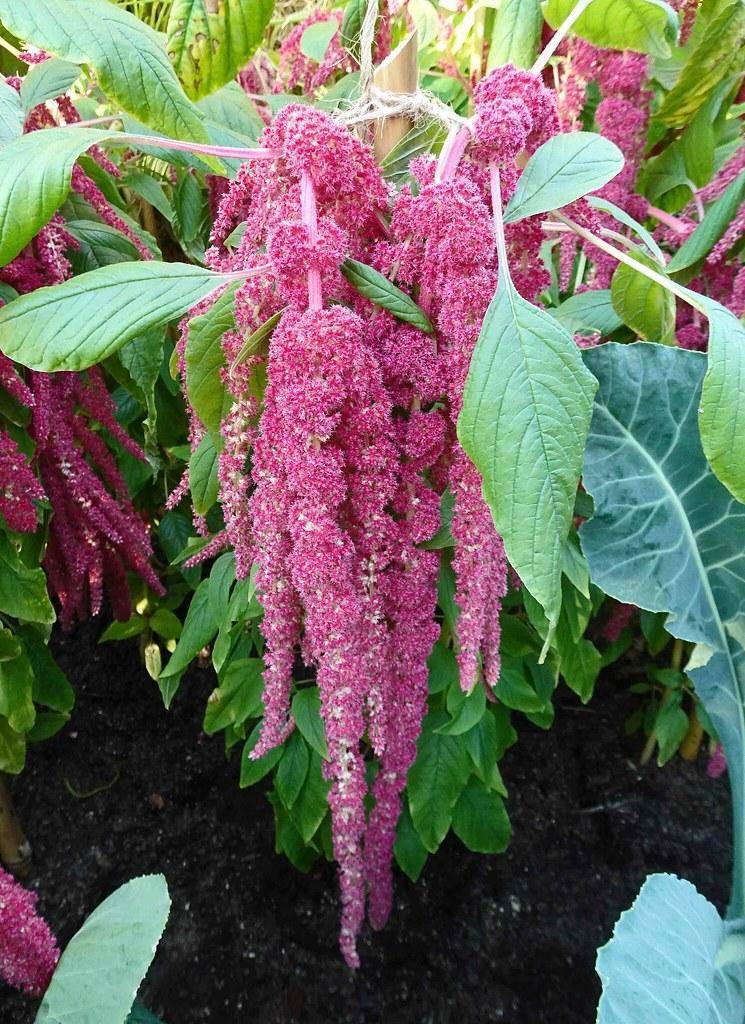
[
  {"x": 425, "y": 138},
  {"x": 104, "y": 962},
  {"x": 203, "y": 482},
  {"x": 142, "y": 358},
  {"x": 23, "y": 591},
  {"x": 516, "y": 691},
  {"x": 100, "y": 246},
  {"x": 200, "y": 627},
  {"x": 253, "y": 771},
  {"x": 482, "y": 746},
  {"x": 74, "y": 325},
  {"x": 666, "y": 535},
  {"x": 311, "y": 805},
  {"x": 526, "y": 410},
  {"x": 443, "y": 668},
  {"x": 222, "y": 578},
  {"x": 317, "y": 37},
  {"x": 131, "y": 65},
  {"x": 409, "y": 851},
  {"x": 706, "y": 234},
  {"x": 238, "y": 696},
  {"x": 719, "y": 53},
  {"x": 563, "y": 169},
  {"x": 647, "y": 26},
  {"x": 588, "y": 312},
  {"x": 230, "y": 108},
  {"x": 134, "y": 626},
  {"x": 51, "y": 686},
  {"x": 379, "y": 290},
  {"x": 35, "y": 176},
  {"x": 205, "y": 360},
  {"x": 351, "y": 27},
  {"x": 210, "y": 42},
  {"x": 466, "y": 709},
  {"x": 662, "y": 963},
  {"x": 435, "y": 782},
  {"x": 47, "y": 81},
  {"x": 480, "y": 820},
  {"x": 306, "y": 710},
  {"x": 256, "y": 341},
  {"x": 11, "y": 113},
  {"x": 670, "y": 727},
  {"x": 580, "y": 664},
  {"x": 12, "y": 749},
  {"x": 165, "y": 624},
  {"x": 16, "y": 693},
  {"x": 516, "y": 34},
  {"x": 292, "y": 769},
  {"x": 598, "y": 203},
  {"x": 722, "y": 413},
  {"x": 645, "y": 306}
]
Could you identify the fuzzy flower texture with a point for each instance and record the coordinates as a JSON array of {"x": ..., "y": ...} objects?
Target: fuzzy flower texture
[
  {"x": 28, "y": 949},
  {"x": 332, "y": 484},
  {"x": 65, "y": 459}
]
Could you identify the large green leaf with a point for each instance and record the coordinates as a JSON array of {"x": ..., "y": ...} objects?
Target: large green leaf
[
  {"x": 209, "y": 41},
  {"x": 205, "y": 360},
  {"x": 200, "y": 627},
  {"x": 666, "y": 535},
  {"x": 588, "y": 312},
  {"x": 11, "y": 113},
  {"x": 516, "y": 33},
  {"x": 73, "y": 325},
  {"x": 480, "y": 819},
  {"x": 647, "y": 307},
  {"x": 526, "y": 410},
  {"x": 101, "y": 969},
  {"x": 563, "y": 169},
  {"x": 436, "y": 780},
  {"x": 132, "y": 67},
  {"x": 719, "y": 53},
  {"x": 203, "y": 481},
  {"x": 238, "y": 696},
  {"x": 35, "y": 176},
  {"x": 23, "y": 591},
  {"x": 47, "y": 81},
  {"x": 722, "y": 414},
  {"x": 661, "y": 965},
  {"x": 647, "y": 26}
]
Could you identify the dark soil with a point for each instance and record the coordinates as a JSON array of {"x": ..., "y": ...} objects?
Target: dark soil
[{"x": 478, "y": 939}]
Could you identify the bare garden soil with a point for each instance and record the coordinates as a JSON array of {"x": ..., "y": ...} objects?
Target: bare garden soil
[{"x": 479, "y": 939}]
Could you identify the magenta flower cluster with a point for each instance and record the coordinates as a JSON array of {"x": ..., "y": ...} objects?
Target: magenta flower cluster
[
  {"x": 332, "y": 482},
  {"x": 28, "y": 949}
]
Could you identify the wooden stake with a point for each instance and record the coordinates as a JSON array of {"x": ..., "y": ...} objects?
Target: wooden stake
[
  {"x": 399, "y": 72},
  {"x": 15, "y": 850}
]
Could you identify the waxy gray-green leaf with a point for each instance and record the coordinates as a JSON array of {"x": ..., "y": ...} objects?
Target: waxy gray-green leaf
[
  {"x": 563, "y": 169},
  {"x": 209, "y": 41},
  {"x": 666, "y": 535},
  {"x": 76, "y": 324},
  {"x": 661, "y": 964},
  {"x": 647, "y": 26},
  {"x": 126, "y": 54},
  {"x": 526, "y": 409},
  {"x": 105, "y": 961}
]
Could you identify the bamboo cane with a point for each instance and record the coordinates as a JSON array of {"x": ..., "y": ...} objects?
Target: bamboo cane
[
  {"x": 15, "y": 850},
  {"x": 399, "y": 72}
]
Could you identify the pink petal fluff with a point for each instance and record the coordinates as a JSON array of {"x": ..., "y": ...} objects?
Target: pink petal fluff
[{"x": 28, "y": 949}]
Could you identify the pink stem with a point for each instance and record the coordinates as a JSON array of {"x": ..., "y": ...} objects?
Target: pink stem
[
  {"x": 198, "y": 147},
  {"x": 451, "y": 154},
  {"x": 674, "y": 223},
  {"x": 309, "y": 213},
  {"x": 496, "y": 202}
]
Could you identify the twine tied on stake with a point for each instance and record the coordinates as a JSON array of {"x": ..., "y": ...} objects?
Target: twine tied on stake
[{"x": 376, "y": 104}]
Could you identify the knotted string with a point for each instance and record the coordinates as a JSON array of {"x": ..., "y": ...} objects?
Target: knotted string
[{"x": 376, "y": 104}]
